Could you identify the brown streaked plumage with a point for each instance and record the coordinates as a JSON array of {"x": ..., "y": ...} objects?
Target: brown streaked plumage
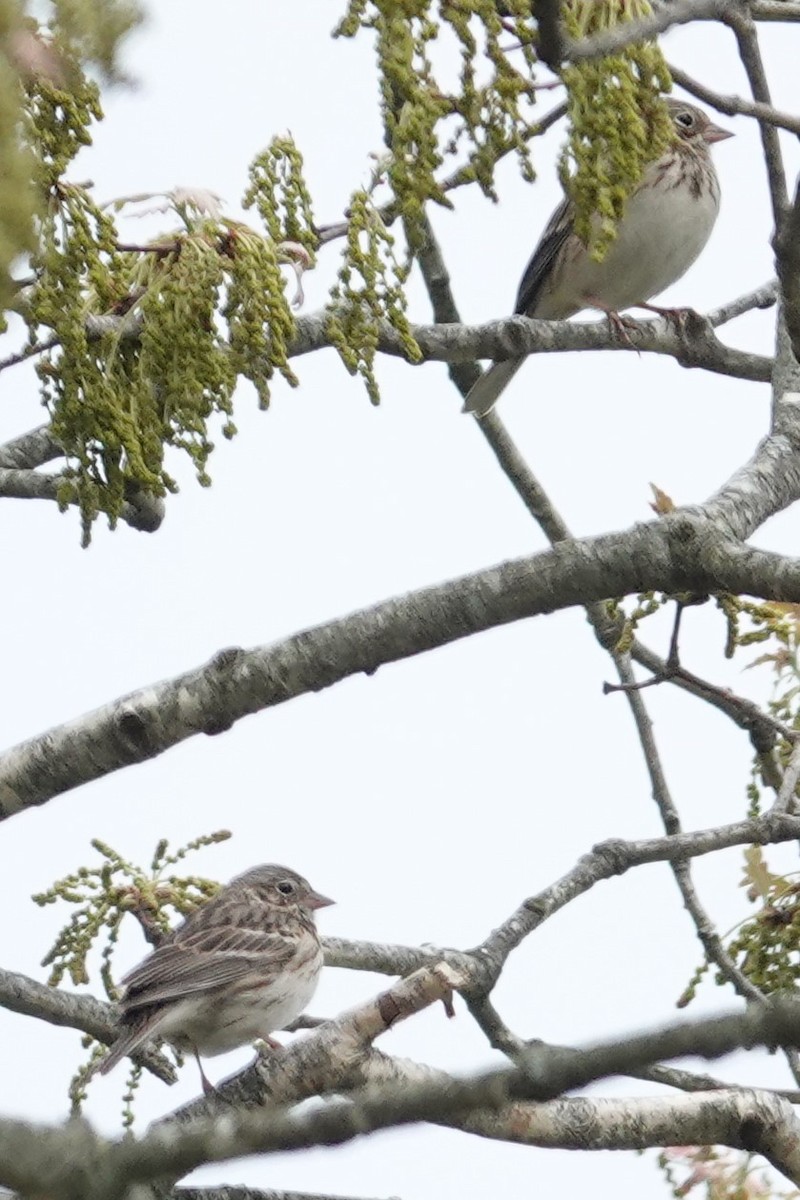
[
  {"x": 666, "y": 223},
  {"x": 245, "y": 964}
]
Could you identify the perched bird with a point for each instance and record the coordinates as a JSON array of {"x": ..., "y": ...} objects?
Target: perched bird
[
  {"x": 666, "y": 223},
  {"x": 244, "y": 964}
]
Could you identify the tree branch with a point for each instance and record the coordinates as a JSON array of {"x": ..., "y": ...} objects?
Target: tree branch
[
  {"x": 615, "y": 857},
  {"x": 746, "y": 34},
  {"x": 73, "y": 1160},
  {"x": 30, "y": 450},
  {"x": 680, "y": 552},
  {"x": 246, "y": 1193},
  {"x": 626, "y": 33},
  {"x": 735, "y": 105},
  {"x": 694, "y": 345},
  {"x": 145, "y": 514},
  {"x": 20, "y": 994}
]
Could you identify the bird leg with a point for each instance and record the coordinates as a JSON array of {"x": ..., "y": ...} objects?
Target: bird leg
[
  {"x": 208, "y": 1087},
  {"x": 617, "y": 324}
]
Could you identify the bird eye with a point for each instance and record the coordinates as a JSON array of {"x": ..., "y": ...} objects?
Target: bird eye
[
  {"x": 286, "y": 887},
  {"x": 685, "y": 118}
]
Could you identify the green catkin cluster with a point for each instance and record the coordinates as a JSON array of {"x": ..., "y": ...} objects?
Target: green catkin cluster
[
  {"x": 279, "y": 193},
  {"x": 102, "y": 897},
  {"x": 104, "y": 894},
  {"x": 647, "y": 603},
  {"x": 118, "y": 399},
  {"x": 369, "y": 290},
  {"x": 93, "y": 29},
  {"x": 17, "y": 196},
  {"x": 765, "y": 946},
  {"x": 618, "y": 124},
  {"x": 425, "y": 120},
  {"x": 39, "y": 65}
]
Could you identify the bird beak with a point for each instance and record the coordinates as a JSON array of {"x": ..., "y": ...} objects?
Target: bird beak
[
  {"x": 317, "y": 901},
  {"x": 715, "y": 133}
]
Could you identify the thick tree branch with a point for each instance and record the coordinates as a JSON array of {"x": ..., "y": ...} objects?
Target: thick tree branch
[
  {"x": 72, "y": 1160},
  {"x": 775, "y": 10},
  {"x": 20, "y": 994},
  {"x": 565, "y": 1123},
  {"x": 145, "y": 514},
  {"x": 693, "y": 345},
  {"x": 677, "y": 553},
  {"x": 30, "y": 450}
]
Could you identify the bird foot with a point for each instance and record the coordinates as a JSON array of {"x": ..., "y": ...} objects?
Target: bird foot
[
  {"x": 268, "y": 1043},
  {"x": 618, "y": 325},
  {"x": 679, "y": 317}
]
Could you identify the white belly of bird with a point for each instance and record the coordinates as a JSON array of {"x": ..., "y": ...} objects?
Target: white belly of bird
[
  {"x": 222, "y": 1020},
  {"x": 662, "y": 232}
]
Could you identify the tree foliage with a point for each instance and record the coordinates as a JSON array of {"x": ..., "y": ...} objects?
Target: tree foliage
[{"x": 139, "y": 351}]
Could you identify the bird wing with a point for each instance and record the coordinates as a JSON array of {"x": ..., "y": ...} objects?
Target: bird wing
[
  {"x": 557, "y": 230},
  {"x": 203, "y": 961}
]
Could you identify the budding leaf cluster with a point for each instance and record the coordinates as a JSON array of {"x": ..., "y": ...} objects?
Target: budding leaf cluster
[{"x": 618, "y": 124}]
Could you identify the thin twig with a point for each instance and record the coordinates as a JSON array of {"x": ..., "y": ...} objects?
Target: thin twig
[
  {"x": 786, "y": 799},
  {"x": 735, "y": 105},
  {"x": 626, "y": 33},
  {"x": 459, "y": 178},
  {"x": 746, "y": 36},
  {"x": 711, "y": 942},
  {"x": 22, "y": 356},
  {"x": 762, "y": 297}
]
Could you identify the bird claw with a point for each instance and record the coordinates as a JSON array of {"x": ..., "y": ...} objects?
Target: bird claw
[
  {"x": 266, "y": 1046},
  {"x": 618, "y": 325},
  {"x": 679, "y": 317}
]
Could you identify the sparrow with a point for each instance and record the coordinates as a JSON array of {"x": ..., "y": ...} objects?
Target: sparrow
[
  {"x": 665, "y": 225},
  {"x": 244, "y": 964}
]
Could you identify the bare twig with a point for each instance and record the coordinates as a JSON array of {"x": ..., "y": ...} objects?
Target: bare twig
[
  {"x": 13, "y": 360},
  {"x": 626, "y": 33},
  {"x": 762, "y": 297},
  {"x": 616, "y": 857},
  {"x": 459, "y": 178},
  {"x": 750, "y": 53},
  {"x": 735, "y": 105},
  {"x": 786, "y": 800}
]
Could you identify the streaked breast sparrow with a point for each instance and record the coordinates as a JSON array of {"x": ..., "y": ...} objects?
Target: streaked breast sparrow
[
  {"x": 245, "y": 964},
  {"x": 666, "y": 223}
]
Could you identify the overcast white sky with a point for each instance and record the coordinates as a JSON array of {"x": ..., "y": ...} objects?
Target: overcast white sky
[{"x": 429, "y": 799}]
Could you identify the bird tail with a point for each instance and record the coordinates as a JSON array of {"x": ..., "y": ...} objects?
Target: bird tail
[
  {"x": 123, "y": 1046},
  {"x": 486, "y": 391}
]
